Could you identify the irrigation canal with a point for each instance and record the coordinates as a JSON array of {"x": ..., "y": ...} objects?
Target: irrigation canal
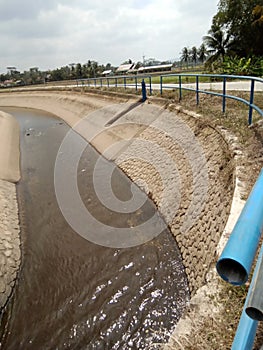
[{"x": 74, "y": 294}]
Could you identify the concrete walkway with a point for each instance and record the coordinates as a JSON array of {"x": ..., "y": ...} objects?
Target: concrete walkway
[{"x": 218, "y": 86}]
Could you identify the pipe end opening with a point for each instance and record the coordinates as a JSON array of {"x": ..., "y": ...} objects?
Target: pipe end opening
[
  {"x": 231, "y": 271},
  {"x": 254, "y": 313}
]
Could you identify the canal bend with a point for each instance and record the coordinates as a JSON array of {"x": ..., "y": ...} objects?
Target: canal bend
[{"x": 72, "y": 293}]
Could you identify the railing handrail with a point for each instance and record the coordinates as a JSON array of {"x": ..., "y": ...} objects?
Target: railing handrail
[
  {"x": 116, "y": 77},
  {"x": 133, "y": 80},
  {"x": 224, "y": 95},
  {"x": 239, "y": 77}
]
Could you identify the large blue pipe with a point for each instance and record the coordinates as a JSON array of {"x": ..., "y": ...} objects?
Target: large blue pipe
[
  {"x": 245, "y": 334},
  {"x": 236, "y": 260},
  {"x": 254, "y": 306},
  {"x": 247, "y": 327}
]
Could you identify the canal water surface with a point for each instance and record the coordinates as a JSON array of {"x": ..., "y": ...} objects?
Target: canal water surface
[{"x": 72, "y": 293}]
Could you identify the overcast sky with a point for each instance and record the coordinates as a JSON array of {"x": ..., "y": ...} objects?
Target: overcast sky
[{"x": 53, "y": 33}]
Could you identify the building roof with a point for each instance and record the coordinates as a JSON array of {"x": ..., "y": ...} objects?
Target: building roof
[
  {"x": 106, "y": 72},
  {"x": 159, "y": 67},
  {"x": 124, "y": 67}
]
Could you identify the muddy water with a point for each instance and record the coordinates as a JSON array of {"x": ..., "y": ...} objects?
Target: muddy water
[{"x": 74, "y": 294}]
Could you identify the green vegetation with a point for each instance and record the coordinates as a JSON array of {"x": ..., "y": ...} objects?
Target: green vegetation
[
  {"x": 72, "y": 71},
  {"x": 234, "y": 44},
  {"x": 243, "y": 66},
  {"x": 218, "y": 44},
  {"x": 194, "y": 55},
  {"x": 242, "y": 22}
]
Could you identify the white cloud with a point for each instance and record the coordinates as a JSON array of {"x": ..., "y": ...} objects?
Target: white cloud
[{"x": 53, "y": 33}]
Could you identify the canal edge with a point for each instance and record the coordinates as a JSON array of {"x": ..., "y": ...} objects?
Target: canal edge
[
  {"x": 10, "y": 242},
  {"x": 205, "y": 302}
]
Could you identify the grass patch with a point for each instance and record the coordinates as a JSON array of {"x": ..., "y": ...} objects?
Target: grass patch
[{"x": 216, "y": 331}]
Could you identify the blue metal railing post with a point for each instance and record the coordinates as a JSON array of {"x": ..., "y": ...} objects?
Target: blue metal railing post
[
  {"x": 108, "y": 82},
  {"x": 150, "y": 82},
  {"x": 251, "y": 101},
  {"x": 197, "y": 89},
  {"x": 116, "y": 82},
  {"x": 224, "y": 95},
  {"x": 144, "y": 97},
  {"x": 136, "y": 84},
  {"x": 101, "y": 82},
  {"x": 95, "y": 82},
  {"x": 180, "y": 87},
  {"x": 161, "y": 84}
]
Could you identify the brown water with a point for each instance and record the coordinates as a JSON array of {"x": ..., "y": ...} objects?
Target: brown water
[{"x": 74, "y": 294}]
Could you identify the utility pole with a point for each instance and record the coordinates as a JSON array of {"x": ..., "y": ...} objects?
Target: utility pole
[{"x": 143, "y": 60}]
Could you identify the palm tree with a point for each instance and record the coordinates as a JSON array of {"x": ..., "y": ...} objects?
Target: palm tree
[
  {"x": 185, "y": 55},
  {"x": 217, "y": 44},
  {"x": 194, "y": 55},
  {"x": 202, "y": 53}
]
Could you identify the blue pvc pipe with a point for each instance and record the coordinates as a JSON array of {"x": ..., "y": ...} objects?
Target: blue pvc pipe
[
  {"x": 245, "y": 334},
  {"x": 236, "y": 260},
  {"x": 247, "y": 327},
  {"x": 254, "y": 305}
]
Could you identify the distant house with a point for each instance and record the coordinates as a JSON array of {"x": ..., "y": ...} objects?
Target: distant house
[
  {"x": 7, "y": 83},
  {"x": 152, "y": 69},
  {"x": 124, "y": 68},
  {"x": 107, "y": 72}
]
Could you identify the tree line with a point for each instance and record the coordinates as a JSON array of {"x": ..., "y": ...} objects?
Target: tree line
[
  {"x": 72, "y": 71},
  {"x": 234, "y": 43}
]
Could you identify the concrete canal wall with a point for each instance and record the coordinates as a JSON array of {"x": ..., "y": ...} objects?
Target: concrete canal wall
[
  {"x": 193, "y": 193},
  {"x": 10, "y": 256}
]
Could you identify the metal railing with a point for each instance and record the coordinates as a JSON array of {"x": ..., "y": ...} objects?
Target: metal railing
[
  {"x": 117, "y": 82},
  {"x": 224, "y": 79},
  {"x": 181, "y": 82}
]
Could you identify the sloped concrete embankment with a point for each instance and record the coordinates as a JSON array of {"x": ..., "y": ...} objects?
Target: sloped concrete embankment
[
  {"x": 205, "y": 171},
  {"x": 10, "y": 255},
  {"x": 197, "y": 183}
]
